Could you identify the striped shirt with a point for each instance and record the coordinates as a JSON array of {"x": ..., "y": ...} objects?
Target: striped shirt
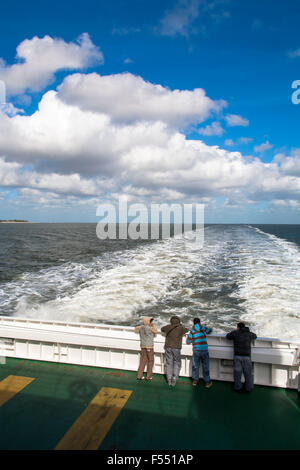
[{"x": 197, "y": 337}]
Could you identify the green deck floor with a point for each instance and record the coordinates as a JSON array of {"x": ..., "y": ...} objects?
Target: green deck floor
[{"x": 155, "y": 416}]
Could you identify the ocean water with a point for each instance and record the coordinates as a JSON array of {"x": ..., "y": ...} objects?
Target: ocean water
[{"x": 242, "y": 273}]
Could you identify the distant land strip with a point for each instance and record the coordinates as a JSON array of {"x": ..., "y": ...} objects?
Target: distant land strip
[{"x": 14, "y": 221}]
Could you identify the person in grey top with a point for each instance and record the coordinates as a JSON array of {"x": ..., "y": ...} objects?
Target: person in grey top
[
  {"x": 174, "y": 333},
  {"x": 147, "y": 331}
]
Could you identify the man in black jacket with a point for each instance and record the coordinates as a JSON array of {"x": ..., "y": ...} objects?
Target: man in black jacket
[{"x": 242, "y": 338}]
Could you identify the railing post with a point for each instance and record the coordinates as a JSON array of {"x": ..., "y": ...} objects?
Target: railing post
[{"x": 298, "y": 363}]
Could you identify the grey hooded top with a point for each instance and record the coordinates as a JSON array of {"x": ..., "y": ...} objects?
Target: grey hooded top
[{"x": 147, "y": 332}]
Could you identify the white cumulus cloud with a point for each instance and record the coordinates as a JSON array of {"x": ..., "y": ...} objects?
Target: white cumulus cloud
[
  {"x": 181, "y": 19},
  {"x": 213, "y": 129},
  {"x": 236, "y": 120},
  {"x": 39, "y": 58},
  {"x": 128, "y": 98},
  {"x": 263, "y": 147},
  {"x": 88, "y": 144}
]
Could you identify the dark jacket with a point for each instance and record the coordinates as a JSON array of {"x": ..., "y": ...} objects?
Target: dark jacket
[
  {"x": 242, "y": 341},
  {"x": 174, "y": 333}
]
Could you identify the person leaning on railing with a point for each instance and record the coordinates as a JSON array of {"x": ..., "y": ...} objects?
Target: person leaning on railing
[
  {"x": 174, "y": 333},
  {"x": 197, "y": 337},
  {"x": 242, "y": 338},
  {"x": 147, "y": 331}
]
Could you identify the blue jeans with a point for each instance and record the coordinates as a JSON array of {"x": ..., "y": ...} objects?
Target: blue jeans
[
  {"x": 198, "y": 357},
  {"x": 242, "y": 364}
]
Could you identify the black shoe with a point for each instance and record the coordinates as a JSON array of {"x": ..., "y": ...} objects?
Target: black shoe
[{"x": 245, "y": 390}]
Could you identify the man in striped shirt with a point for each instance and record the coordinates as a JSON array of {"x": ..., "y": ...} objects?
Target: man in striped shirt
[{"x": 197, "y": 337}]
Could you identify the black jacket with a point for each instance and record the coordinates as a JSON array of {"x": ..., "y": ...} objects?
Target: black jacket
[{"x": 242, "y": 341}]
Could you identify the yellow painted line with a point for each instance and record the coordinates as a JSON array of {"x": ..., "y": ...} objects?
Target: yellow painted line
[
  {"x": 12, "y": 385},
  {"x": 93, "y": 424}
]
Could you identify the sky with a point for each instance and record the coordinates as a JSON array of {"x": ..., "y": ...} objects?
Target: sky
[{"x": 174, "y": 102}]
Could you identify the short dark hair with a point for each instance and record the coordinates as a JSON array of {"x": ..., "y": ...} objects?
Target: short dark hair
[
  {"x": 151, "y": 320},
  {"x": 196, "y": 320},
  {"x": 241, "y": 325}
]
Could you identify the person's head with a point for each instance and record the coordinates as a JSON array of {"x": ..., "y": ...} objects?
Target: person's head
[
  {"x": 174, "y": 320},
  {"x": 196, "y": 320},
  {"x": 151, "y": 320},
  {"x": 240, "y": 325}
]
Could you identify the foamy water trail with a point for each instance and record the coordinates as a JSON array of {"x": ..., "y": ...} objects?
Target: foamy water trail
[
  {"x": 241, "y": 273},
  {"x": 132, "y": 281},
  {"x": 270, "y": 286}
]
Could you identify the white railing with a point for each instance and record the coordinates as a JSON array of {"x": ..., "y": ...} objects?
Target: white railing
[{"x": 275, "y": 363}]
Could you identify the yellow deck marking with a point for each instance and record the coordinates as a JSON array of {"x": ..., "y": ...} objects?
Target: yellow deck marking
[
  {"x": 93, "y": 424},
  {"x": 12, "y": 385}
]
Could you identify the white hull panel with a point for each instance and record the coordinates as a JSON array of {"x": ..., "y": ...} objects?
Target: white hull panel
[{"x": 275, "y": 363}]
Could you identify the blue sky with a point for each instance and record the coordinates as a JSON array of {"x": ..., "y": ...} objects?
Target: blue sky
[{"x": 245, "y": 55}]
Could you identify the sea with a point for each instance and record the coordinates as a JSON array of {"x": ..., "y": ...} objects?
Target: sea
[{"x": 64, "y": 272}]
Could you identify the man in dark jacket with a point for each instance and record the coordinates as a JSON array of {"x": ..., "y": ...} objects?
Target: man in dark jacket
[
  {"x": 242, "y": 338},
  {"x": 174, "y": 333}
]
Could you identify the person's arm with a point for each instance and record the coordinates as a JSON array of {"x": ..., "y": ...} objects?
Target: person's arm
[
  {"x": 253, "y": 336},
  {"x": 183, "y": 331},
  {"x": 206, "y": 330},
  {"x": 189, "y": 338},
  {"x": 153, "y": 329},
  {"x": 137, "y": 329},
  {"x": 164, "y": 329},
  {"x": 230, "y": 335}
]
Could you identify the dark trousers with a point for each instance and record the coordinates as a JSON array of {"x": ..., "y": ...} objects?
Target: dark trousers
[
  {"x": 146, "y": 357},
  {"x": 242, "y": 364}
]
